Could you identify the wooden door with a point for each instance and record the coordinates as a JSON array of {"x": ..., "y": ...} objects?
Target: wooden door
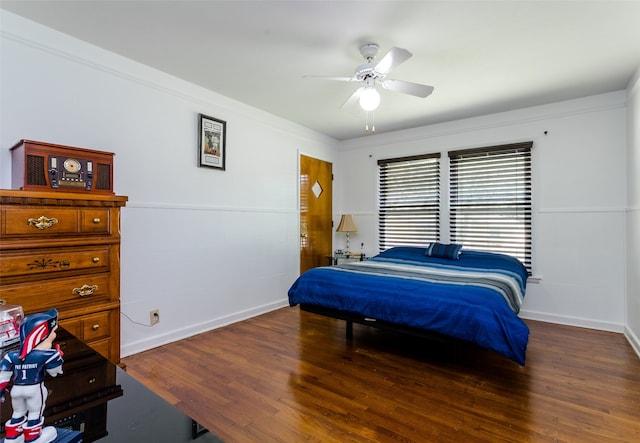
[{"x": 316, "y": 190}]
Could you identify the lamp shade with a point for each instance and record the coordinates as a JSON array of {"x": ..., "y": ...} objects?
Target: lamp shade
[{"x": 347, "y": 224}]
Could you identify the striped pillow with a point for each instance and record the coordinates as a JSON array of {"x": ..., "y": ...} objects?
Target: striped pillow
[{"x": 441, "y": 250}]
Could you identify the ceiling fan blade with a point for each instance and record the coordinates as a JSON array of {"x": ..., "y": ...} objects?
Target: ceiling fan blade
[
  {"x": 328, "y": 77},
  {"x": 351, "y": 100},
  {"x": 391, "y": 59},
  {"x": 407, "y": 87}
]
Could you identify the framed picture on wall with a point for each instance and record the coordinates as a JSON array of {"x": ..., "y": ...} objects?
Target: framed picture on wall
[{"x": 212, "y": 145}]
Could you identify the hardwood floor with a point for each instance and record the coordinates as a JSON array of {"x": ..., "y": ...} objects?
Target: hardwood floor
[{"x": 291, "y": 376}]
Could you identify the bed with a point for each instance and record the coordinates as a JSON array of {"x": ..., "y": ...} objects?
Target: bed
[{"x": 464, "y": 294}]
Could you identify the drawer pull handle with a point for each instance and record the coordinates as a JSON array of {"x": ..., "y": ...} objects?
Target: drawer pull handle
[
  {"x": 42, "y": 222},
  {"x": 95, "y": 259},
  {"x": 95, "y": 327},
  {"x": 92, "y": 380},
  {"x": 85, "y": 290},
  {"x": 97, "y": 220}
]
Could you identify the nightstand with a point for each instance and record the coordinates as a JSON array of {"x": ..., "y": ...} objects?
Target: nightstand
[{"x": 333, "y": 259}]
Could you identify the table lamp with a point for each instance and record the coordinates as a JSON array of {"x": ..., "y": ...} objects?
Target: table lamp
[{"x": 347, "y": 225}]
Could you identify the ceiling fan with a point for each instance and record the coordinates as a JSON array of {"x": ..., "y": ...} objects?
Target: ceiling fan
[{"x": 371, "y": 74}]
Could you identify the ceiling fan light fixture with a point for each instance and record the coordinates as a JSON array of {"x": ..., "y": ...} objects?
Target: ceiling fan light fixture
[{"x": 369, "y": 98}]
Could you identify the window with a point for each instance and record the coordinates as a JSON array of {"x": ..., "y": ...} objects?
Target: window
[
  {"x": 409, "y": 201},
  {"x": 489, "y": 204},
  {"x": 490, "y": 199}
]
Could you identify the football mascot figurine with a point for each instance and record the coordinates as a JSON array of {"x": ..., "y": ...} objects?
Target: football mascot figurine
[{"x": 28, "y": 366}]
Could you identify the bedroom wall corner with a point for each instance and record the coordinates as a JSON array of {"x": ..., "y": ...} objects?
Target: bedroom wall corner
[{"x": 632, "y": 320}]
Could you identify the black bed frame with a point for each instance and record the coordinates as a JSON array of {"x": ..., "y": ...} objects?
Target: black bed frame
[{"x": 352, "y": 318}]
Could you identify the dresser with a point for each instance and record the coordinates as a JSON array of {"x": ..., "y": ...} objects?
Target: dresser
[{"x": 62, "y": 250}]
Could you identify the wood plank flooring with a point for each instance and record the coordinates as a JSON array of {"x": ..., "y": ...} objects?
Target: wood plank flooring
[{"x": 291, "y": 376}]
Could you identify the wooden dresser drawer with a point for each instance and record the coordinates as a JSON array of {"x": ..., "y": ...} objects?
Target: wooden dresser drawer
[
  {"x": 89, "y": 327},
  {"x": 62, "y": 250},
  {"x": 39, "y": 263},
  {"x": 57, "y": 293},
  {"x": 103, "y": 347},
  {"x": 45, "y": 221},
  {"x": 93, "y": 329},
  {"x": 95, "y": 326},
  {"x": 95, "y": 221}
]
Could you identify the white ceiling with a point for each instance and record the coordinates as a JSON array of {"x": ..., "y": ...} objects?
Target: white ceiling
[{"x": 481, "y": 56}]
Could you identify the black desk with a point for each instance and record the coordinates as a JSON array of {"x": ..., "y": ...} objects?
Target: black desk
[{"x": 106, "y": 404}]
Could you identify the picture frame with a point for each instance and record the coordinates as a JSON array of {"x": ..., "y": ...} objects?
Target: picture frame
[{"x": 212, "y": 142}]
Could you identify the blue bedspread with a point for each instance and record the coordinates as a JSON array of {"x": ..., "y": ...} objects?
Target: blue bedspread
[{"x": 474, "y": 298}]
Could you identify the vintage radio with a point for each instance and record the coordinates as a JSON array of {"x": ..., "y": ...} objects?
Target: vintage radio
[{"x": 48, "y": 167}]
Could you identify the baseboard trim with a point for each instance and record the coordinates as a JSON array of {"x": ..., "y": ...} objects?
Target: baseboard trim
[
  {"x": 572, "y": 321},
  {"x": 589, "y": 324},
  {"x": 176, "y": 335},
  {"x": 179, "y": 334},
  {"x": 633, "y": 340}
]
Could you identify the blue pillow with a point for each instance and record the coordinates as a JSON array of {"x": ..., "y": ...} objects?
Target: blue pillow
[{"x": 441, "y": 250}]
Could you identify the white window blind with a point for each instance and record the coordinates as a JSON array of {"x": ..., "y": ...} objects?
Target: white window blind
[
  {"x": 409, "y": 201},
  {"x": 490, "y": 199}
]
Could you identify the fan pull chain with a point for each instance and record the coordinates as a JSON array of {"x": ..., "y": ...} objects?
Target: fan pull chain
[{"x": 366, "y": 124}]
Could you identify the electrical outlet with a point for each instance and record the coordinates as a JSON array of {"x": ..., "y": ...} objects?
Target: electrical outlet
[{"x": 154, "y": 316}]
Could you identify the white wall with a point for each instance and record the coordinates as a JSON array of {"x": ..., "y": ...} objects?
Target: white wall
[
  {"x": 579, "y": 198},
  {"x": 191, "y": 235},
  {"x": 206, "y": 247},
  {"x": 632, "y": 330}
]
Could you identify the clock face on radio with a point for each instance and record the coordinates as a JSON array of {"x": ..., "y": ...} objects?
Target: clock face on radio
[{"x": 72, "y": 165}]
